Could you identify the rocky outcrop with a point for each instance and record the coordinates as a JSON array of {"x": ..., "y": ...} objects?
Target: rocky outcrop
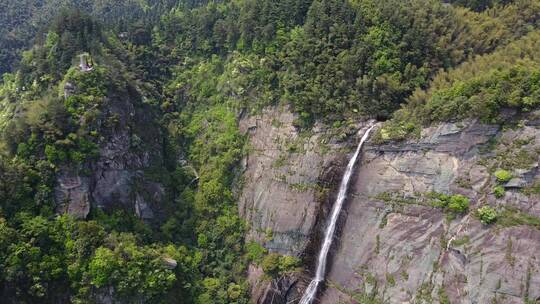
[
  {"x": 394, "y": 246},
  {"x": 130, "y": 144},
  {"x": 73, "y": 194},
  {"x": 282, "y": 179},
  {"x": 169, "y": 263}
]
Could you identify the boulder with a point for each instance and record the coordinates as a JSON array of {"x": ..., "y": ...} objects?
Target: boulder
[
  {"x": 516, "y": 182},
  {"x": 169, "y": 263}
]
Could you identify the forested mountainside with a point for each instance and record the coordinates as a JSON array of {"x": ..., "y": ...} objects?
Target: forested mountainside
[
  {"x": 189, "y": 151},
  {"x": 26, "y": 21}
]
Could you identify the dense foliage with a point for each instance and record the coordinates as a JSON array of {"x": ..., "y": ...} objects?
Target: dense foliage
[
  {"x": 48, "y": 126},
  {"x": 349, "y": 58},
  {"x": 479, "y": 5},
  {"x": 508, "y": 78},
  {"x": 22, "y": 22},
  {"x": 194, "y": 68}
]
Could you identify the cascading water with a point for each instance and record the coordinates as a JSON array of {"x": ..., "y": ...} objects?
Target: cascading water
[{"x": 311, "y": 291}]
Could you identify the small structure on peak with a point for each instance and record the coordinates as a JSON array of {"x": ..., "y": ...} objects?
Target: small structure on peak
[{"x": 87, "y": 63}]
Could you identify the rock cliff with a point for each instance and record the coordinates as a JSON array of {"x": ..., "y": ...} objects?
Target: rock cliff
[
  {"x": 286, "y": 176},
  {"x": 130, "y": 144},
  {"x": 394, "y": 244}
]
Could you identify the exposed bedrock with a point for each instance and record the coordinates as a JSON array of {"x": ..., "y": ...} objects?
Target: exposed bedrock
[
  {"x": 393, "y": 244},
  {"x": 288, "y": 177}
]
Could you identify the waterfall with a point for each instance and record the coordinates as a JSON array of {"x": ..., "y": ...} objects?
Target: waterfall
[{"x": 311, "y": 291}]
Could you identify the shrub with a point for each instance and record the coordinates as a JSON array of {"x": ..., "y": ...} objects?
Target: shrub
[
  {"x": 397, "y": 131},
  {"x": 503, "y": 176},
  {"x": 275, "y": 264},
  {"x": 255, "y": 252},
  {"x": 234, "y": 291},
  {"x": 458, "y": 203},
  {"x": 54, "y": 155},
  {"x": 288, "y": 263},
  {"x": 270, "y": 264},
  {"x": 487, "y": 215},
  {"x": 453, "y": 203},
  {"x": 102, "y": 267},
  {"x": 498, "y": 191}
]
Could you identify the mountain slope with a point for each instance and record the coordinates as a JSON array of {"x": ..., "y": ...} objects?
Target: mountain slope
[{"x": 191, "y": 151}]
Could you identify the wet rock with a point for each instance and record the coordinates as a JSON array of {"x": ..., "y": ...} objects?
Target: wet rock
[
  {"x": 286, "y": 176},
  {"x": 281, "y": 195},
  {"x": 142, "y": 209},
  {"x": 407, "y": 244},
  {"x": 278, "y": 291}
]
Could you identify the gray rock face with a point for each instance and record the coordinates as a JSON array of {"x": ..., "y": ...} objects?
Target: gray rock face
[
  {"x": 415, "y": 252},
  {"x": 286, "y": 175},
  {"x": 169, "y": 263},
  {"x": 69, "y": 89},
  {"x": 73, "y": 194},
  {"x": 405, "y": 250},
  {"x": 283, "y": 178},
  {"x": 516, "y": 182}
]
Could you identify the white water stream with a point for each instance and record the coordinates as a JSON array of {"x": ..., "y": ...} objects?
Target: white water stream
[{"x": 311, "y": 291}]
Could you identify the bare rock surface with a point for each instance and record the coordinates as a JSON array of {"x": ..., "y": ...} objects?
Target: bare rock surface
[
  {"x": 402, "y": 249},
  {"x": 73, "y": 194},
  {"x": 283, "y": 178},
  {"x": 415, "y": 253}
]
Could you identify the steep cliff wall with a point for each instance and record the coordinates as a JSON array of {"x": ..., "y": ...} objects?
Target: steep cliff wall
[
  {"x": 283, "y": 180},
  {"x": 402, "y": 249},
  {"x": 394, "y": 245},
  {"x": 288, "y": 177}
]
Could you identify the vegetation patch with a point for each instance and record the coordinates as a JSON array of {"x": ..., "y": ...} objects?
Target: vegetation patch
[
  {"x": 533, "y": 189},
  {"x": 499, "y": 191},
  {"x": 480, "y": 88},
  {"x": 452, "y": 204},
  {"x": 275, "y": 265},
  {"x": 503, "y": 176},
  {"x": 513, "y": 217},
  {"x": 461, "y": 241},
  {"x": 487, "y": 215},
  {"x": 303, "y": 187}
]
